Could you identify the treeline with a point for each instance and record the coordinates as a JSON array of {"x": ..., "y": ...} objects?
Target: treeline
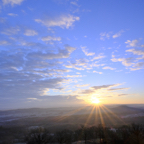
[
  {"x": 126, "y": 134},
  {"x": 100, "y": 134}
]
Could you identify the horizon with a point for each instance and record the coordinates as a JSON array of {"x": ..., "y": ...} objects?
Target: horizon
[
  {"x": 61, "y": 53},
  {"x": 78, "y": 106}
]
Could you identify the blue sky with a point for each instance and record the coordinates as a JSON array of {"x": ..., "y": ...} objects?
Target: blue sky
[{"x": 67, "y": 52}]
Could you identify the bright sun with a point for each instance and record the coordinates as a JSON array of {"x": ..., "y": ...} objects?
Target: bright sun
[{"x": 95, "y": 100}]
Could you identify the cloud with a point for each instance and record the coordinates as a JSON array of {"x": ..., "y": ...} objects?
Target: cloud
[
  {"x": 32, "y": 98},
  {"x": 85, "y": 50},
  {"x": 137, "y": 66},
  {"x": 107, "y": 67},
  {"x": 115, "y": 89},
  {"x": 30, "y": 32},
  {"x": 74, "y": 3},
  {"x": 118, "y": 34},
  {"x": 122, "y": 95},
  {"x": 12, "y": 14},
  {"x": 4, "y": 42},
  {"x": 73, "y": 66},
  {"x": 100, "y": 56},
  {"x": 11, "y": 31},
  {"x": 63, "y": 21},
  {"x": 80, "y": 64},
  {"x": 137, "y": 52},
  {"x": 131, "y": 61},
  {"x": 12, "y": 2},
  {"x": 125, "y": 61},
  {"x": 140, "y": 64},
  {"x": 133, "y": 43},
  {"x": 87, "y": 91},
  {"x": 62, "y": 53},
  {"x": 100, "y": 91},
  {"x": 84, "y": 85},
  {"x": 104, "y": 35},
  {"x": 74, "y": 76},
  {"x": 50, "y": 38},
  {"x": 97, "y": 72},
  {"x": 27, "y": 71},
  {"x": 105, "y": 86}
]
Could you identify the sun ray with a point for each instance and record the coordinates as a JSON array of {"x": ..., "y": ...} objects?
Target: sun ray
[
  {"x": 90, "y": 115},
  {"x": 70, "y": 113},
  {"x": 101, "y": 117},
  {"x": 114, "y": 114},
  {"x": 96, "y": 115},
  {"x": 106, "y": 113}
]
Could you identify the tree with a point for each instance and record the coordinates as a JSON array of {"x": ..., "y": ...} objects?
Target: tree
[
  {"x": 38, "y": 136},
  {"x": 137, "y": 134},
  {"x": 64, "y": 136}
]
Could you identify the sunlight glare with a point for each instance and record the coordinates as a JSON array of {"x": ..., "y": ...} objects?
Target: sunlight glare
[{"x": 95, "y": 100}]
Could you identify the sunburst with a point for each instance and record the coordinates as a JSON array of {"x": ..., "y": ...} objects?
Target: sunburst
[{"x": 95, "y": 100}]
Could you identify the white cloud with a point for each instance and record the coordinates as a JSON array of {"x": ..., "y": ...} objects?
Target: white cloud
[
  {"x": 12, "y": 2},
  {"x": 100, "y": 56},
  {"x": 50, "y": 38},
  {"x": 73, "y": 66},
  {"x": 125, "y": 61},
  {"x": 104, "y": 35},
  {"x": 85, "y": 50},
  {"x": 118, "y": 34},
  {"x": 134, "y": 69},
  {"x": 84, "y": 85},
  {"x": 74, "y": 3},
  {"x": 107, "y": 67},
  {"x": 44, "y": 92},
  {"x": 69, "y": 48},
  {"x": 30, "y": 32},
  {"x": 12, "y": 14},
  {"x": 79, "y": 64},
  {"x": 97, "y": 72},
  {"x": 136, "y": 52},
  {"x": 74, "y": 76},
  {"x": 64, "y": 21},
  {"x": 131, "y": 61},
  {"x": 132, "y": 43}
]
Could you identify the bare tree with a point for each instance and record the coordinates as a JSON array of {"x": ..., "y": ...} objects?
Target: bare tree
[
  {"x": 38, "y": 136},
  {"x": 64, "y": 136}
]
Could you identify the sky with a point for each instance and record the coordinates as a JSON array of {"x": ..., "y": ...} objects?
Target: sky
[{"x": 68, "y": 52}]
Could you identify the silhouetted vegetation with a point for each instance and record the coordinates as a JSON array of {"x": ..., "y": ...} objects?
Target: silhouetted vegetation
[{"x": 100, "y": 134}]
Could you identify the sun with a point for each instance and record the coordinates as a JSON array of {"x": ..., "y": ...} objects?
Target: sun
[{"x": 95, "y": 100}]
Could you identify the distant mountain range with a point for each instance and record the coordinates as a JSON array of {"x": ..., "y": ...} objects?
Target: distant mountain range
[{"x": 122, "y": 111}]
